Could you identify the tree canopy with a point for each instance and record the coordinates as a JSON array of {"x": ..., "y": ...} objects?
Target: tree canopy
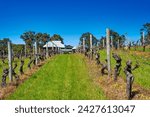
[
  {"x": 146, "y": 28},
  {"x": 42, "y": 38},
  {"x": 28, "y": 38},
  {"x": 86, "y": 36},
  {"x": 57, "y": 37},
  {"x": 3, "y": 44},
  {"x": 114, "y": 36}
]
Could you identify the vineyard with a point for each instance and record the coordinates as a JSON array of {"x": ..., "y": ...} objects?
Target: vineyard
[
  {"x": 74, "y": 58},
  {"x": 77, "y": 77},
  {"x": 45, "y": 68},
  {"x": 142, "y": 73}
]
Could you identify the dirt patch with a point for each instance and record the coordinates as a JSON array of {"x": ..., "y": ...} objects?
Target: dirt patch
[
  {"x": 11, "y": 87},
  {"x": 117, "y": 90},
  {"x": 114, "y": 90}
]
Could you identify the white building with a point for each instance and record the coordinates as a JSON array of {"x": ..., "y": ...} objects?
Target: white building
[{"x": 54, "y": 45}]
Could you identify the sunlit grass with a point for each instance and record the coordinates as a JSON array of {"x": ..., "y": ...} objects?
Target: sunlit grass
[{"x": 65, "y": 77}]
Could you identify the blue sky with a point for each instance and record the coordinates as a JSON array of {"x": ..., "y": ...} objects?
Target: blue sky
[{"x": 71, "y": 18}]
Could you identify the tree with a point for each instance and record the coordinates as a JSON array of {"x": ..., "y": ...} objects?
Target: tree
[
  {"x": 86, "y": 36},
  {"x": 29, "y": 38},
  {"x": 117, "y": 37},
  {"x": 146, "y": 29},
  {"x": 45, "y": 38},
  {"x": 38, "y": 37},
  {"x": 102, "y": 39},
  {"x": 3, "y": 44},
  {"x": 42, "y": 39},
  {"x": 57, "y": 37}
]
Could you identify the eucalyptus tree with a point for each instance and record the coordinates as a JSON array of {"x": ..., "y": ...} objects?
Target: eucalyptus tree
[
  {"x": 57, "y": 37},
  {"x": 118, "y": 40},
  {"x": 146, "y": 29},
  {"x": 86, "y": 36},
  {"x": 45, "y": 38},
  {"x": 145, "y": 35},
  {"x": 38, "y": 38},
  {"x": 29, "y": 39}
]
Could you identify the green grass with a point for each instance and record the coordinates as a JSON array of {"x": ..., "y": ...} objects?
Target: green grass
[
  {"x": 140, "y": 48},
  {"x": 142, "y": 74},
  {"x": 65, "y": 77}
]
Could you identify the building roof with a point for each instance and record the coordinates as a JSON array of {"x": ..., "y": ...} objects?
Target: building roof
[
  {"x": 55, "y": 44},
  {"x": 75, "y": 47}
]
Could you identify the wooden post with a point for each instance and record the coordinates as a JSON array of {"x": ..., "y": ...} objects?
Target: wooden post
[
  {"x": 112, "y": 46},
  {"x": 118, "y": 44},
  {"x": 10, "y": 61},
  {"x": 25, "y": 50},
  {"x": 91, "y": 46},
  {"x": 108, "y": 51},
  {"x": 33, "y": 50},
  {"x": 80, "y": 45},
  {"x": 12, "y": 54},
  {"x": 47, "y": 50},
  {"x": 84, "y": 45},
  {"x": 103, "y": 43},
  {"x": 91, "y": 43},
  {"x": 143, "y": 40},
  {"x": 36, "y": 52}
]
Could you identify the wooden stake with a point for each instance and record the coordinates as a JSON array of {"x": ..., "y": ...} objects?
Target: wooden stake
[
  {"x": 91, "y": 42},
  {"x": 33, "y": 50},
  {"x": 10, "y": 61},
  {"x": 118, "y": 44},
  {"x": 91, "y": 46},
  {"x": 112, "y": 42},
  {"x": 25, "y": 50},
  {"x": 143, "y": 41},
  {"x": 108, "y": 51},
  {"x": 47, "y": 50},
  {"x": 36, "y": 52},
  {"x": 84, "y": 45},
  {"x": 103, "y": 43}
]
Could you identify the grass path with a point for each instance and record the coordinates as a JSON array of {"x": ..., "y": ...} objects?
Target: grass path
[{"x": 62, "y": 78}]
